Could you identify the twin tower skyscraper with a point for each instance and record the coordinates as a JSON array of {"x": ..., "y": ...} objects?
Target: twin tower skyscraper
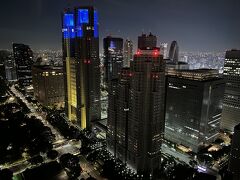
[{"x": 81, "y": 65}]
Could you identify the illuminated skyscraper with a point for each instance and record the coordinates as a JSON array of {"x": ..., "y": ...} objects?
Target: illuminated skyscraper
[
  {"x": 136, "y": 111},
  {"x": 23, "y": 57},
  {"x": 174, "y": 52},
  {"x": 193, "y": 107},
  {"x": 128, "y": 53},
  {"x": 146, "y": 115},
  {"x": 113, "y": 57},
  {"x": 231, "y": 105},
  {"x": 81, "y": 65}
]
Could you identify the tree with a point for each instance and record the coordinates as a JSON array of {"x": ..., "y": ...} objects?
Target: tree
[
  {"x": 36, "y": 160},
  {"x": 71, "y": 165},
  {"x": 6, "y": 174},
  {"x": 53, "y": 154}
]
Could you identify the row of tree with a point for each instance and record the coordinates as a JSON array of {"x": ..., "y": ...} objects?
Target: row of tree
[{"x": 20, "y": 134}]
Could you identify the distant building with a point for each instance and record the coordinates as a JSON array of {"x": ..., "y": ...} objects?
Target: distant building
[
  {"x": 81, "y": 65},
  {"x": 231, "y": 105},
  {"x": 2, "y": 70},
  {"x": 174, "y": 52},
  {"x": 234, "y": 157},
  {"x": 113, "y": 57},
  {"x": 147, "y": 41},
  {"x": 127, "y": 53},
  {"x": 176, "y": 65},
  {"x": 23, "y": 57},
  {"x": 136, "y": 110},
  {"x": 193, "y": 107},
  {"x": 10, "y": 69},
  {"x": 3, "y": 57},
  {"x": 163, "y": 50},
  {"x": 48, "y": 85}
]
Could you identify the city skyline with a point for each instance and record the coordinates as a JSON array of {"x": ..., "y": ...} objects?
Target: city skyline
[
  {"x": 199, "y": 26},
  {"x": 114, "y": 106}
]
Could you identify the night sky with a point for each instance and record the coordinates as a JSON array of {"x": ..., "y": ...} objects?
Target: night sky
[{"x": 197, "y": 25}]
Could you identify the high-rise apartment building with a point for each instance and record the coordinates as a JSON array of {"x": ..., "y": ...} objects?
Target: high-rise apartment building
[
  {"x": 23, "y": 57},
  {"x": 48, "y": 85},
  {"x": 231, "y": 105},
  {"x": 174, "y": 52},
  {"x": 193, "y": 107},
  {"x": 136, "y": 110},
  {"x": 127, "y": 53},
  {"x": 81, "y": 65},
  {"x": 113, "y": 57},
  {"x": 234, "y": 157}
]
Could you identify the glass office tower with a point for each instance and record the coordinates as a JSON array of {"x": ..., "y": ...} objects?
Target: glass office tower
[
  {"x": 231, "y": 105},
  {"x": 193, "y": 107}
]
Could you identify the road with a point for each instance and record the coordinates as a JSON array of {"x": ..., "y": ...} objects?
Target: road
[
  {"x": 40, "y": 115},
  {"x": 88, "y": 169},
  {"x": 61, "y": 144}
]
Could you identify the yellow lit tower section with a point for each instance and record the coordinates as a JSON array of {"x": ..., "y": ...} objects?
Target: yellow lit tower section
[{"x": 69, "y": 65}]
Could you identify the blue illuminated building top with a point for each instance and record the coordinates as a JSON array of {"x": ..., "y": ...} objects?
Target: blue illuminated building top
[
  {"x": 96, "y": 34},
  {"x": 68, "y": 20},
  {"x": 83, "y": 16},
  {"x": 68, "y": 26}
]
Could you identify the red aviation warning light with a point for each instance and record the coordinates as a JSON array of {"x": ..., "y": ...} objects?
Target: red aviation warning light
[
  {"x": 156, "y": 52},
  {"x": 138, "y": 52}
]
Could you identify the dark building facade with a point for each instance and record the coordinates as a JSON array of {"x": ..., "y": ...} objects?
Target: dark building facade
[
  {"x": 23, "y": 57},
  {"x": 128, "y": 53},
  {"x": 10, "y": 69},
  {"x": 231, "y": 105},
  {"x": 147, "y": 41},
  {"x": 118, "y": 110},
  {"x": 136, "y": 111},
  {"x": 81, "y": 65},
  {"x": 193, "y": 107},
  {"x": 113, "y": 57},
  {"x": 48, "y": 85},
  {"x": 234, "y": 157},
  {"x": 174, "y": 52}
]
